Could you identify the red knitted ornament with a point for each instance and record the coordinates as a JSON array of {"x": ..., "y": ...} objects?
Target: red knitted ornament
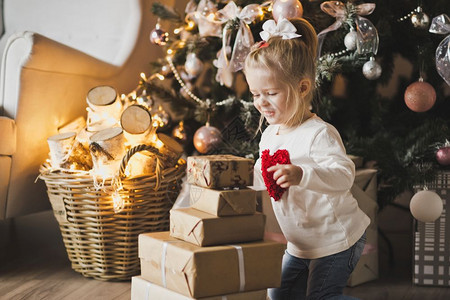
[{"x": 279, "y": 157}]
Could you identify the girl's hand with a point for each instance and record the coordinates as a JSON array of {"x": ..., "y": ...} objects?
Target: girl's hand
[{"x": 286, "y": 175}]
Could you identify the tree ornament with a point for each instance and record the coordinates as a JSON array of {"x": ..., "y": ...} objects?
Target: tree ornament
[
  {"x": 193, "y": 65},
  {"x": 288, "y": 9},
  {"x": 350, "y": 39},
  {"x": 426, "y": 206},
  {"x": 420, "y": 96},
  {"x": 443, "y": 155},
  {"x": 159, "y": 36},
  {"x": 180, "y": 133},
  {"x": 366, "y": 34},
  {"x": 371, "y": 69},
  {"x": 207, "y": 138},
  {"x": 441, "y": 25},
  {"x": 419, "y": 19},
  {"x": 160, "y": 118}
]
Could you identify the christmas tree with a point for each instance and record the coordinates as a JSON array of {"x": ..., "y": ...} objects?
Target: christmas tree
[{"x": 403, "y": 132}]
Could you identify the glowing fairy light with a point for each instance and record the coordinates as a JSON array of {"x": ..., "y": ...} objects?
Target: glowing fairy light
[
  {"x": 190, "y": 25},
  {"x": 160, "y": 76},
  {"x": 118, "y": 202}
]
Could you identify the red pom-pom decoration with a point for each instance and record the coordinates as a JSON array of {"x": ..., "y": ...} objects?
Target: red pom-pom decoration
[{"x": 279, "y": 157}]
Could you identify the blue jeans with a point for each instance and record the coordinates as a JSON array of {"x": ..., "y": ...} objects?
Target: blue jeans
[{"x": 321, "y": 278}]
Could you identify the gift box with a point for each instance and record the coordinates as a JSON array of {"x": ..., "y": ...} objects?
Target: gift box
[
  {"x": 203, "y": 229},
  {"x": 432, "y": 240},
  {"x": 223, "y": 202},
  {"x": 198, "y": 272},
  {"x": 364, "y": 190},
  {"x": 143, "y": 289},
  {"x": 219, "y": 171}
]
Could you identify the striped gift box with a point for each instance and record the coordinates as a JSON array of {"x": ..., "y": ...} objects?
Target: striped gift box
[{"x": 432, "y": 240}]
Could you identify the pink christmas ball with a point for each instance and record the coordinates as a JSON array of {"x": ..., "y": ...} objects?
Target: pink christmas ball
[
  {"x": 443, "y": 156},
  {"x": 288, "y": 9},
  {"x": 206, "y": 138}
]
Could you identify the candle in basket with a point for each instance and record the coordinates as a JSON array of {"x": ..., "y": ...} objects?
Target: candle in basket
[
  {"x": 107, "y": 150},
  {"x": 60, "y": 145},
  {"x": 104, "y": 108},
  {"x": 136, "y": 122},
  {"x": 169, "y": 148}
]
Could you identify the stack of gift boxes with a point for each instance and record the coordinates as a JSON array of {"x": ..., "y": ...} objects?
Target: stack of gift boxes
[{"x": 215, "y": 248}]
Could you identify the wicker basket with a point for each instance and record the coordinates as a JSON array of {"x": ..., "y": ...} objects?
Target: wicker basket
[{"x": 101, "y": 243}]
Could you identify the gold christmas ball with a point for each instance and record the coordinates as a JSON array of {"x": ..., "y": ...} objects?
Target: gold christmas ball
[{"x": 420, "y": 96}]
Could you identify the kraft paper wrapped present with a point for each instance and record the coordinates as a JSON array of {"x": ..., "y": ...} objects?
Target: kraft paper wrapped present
[
  {"x": 142, "y": 289},
  {"x": 223, "y": 202},
  {"x": 203, "y": 229},
  {"x": 198, "y": 272},
  {"x": 364, "y": 190},
  {"x": 431, "y": 239},
  {"x": 219, "y": 171}
]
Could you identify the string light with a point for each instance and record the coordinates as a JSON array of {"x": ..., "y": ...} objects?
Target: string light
[
  {"x": 203, "y": 103},
  {"x": 335, "y": 54}
]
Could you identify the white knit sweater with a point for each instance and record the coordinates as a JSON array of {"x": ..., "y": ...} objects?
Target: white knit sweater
[{"x": 318, "y": 217}]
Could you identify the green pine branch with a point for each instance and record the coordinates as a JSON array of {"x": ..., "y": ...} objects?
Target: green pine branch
[{"x": 166, "y": 13}]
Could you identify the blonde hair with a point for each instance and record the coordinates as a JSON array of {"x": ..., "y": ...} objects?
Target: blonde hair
[{"x": 291, "y": 60}]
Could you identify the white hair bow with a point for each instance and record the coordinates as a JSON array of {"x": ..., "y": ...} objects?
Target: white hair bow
[{"x": 283, "y": 28}]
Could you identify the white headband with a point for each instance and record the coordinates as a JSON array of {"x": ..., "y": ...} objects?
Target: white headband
[{"x": 283, "y": 28}]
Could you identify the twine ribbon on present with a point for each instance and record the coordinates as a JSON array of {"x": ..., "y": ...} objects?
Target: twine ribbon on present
[
  {"x": 367, "y": 35},
  {"x": 240, "y": 264},
  {"x": 242, "y": 43},
  {"x": 441, "y": 25}
]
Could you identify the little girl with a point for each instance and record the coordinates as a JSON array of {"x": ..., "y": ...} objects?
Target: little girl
[{"x": 317, "y": 214}]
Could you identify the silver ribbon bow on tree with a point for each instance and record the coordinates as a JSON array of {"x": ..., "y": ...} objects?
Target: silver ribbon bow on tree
[
  {"x": 242, "y": 42},
  {"x": 367, "y": 35},
  {"x": 283, "y": 28},
  {"x": 441, "y": 25}
]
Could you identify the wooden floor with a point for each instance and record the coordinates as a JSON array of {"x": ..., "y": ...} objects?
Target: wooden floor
[{"x": 33, "y": 265}]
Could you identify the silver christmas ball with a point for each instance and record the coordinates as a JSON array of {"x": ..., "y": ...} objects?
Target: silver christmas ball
[
  {"x": 426, "y": 206},
  {"x": 350, "y": 40},
  {"x": 193, "y": 65},
  {"x": 420, "y": 19},
  {"x": 371, "y": 69}
]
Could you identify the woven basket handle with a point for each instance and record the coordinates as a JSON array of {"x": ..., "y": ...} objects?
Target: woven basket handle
[{"x": 140, "y": 148}]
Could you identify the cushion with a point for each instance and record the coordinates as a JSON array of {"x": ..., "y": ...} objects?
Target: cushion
[{"x": 7, "y": 136}]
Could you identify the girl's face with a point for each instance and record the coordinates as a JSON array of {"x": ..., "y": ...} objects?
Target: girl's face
[{"x": 269, "y": 95}]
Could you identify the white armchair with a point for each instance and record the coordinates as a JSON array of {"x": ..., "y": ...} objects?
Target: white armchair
[{"x": 54, "y": 51}]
